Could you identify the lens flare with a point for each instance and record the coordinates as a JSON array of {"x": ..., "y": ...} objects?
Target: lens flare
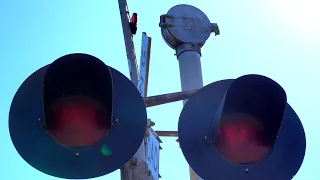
[{"x": 105, "y": 150}]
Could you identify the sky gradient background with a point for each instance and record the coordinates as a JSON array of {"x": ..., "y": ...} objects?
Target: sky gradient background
[{"x": 276, "y": 38}]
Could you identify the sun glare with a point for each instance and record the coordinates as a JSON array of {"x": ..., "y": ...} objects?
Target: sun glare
[{"x": 300, "y": 15}]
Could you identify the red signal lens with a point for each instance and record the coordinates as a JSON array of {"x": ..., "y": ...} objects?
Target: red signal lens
[
  {"x": 78, "y": 121},
  {"x": 242, "y": 138},
  {"x": 134, "y": 18}
]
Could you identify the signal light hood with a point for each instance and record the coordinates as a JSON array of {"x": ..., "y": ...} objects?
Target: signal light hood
[
  {"x": 69, "y": 84},
  {"x": 223, "y": 125}
]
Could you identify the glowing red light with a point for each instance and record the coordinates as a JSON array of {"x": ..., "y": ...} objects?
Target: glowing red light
[
  {"x": 78, "y": 121},
  {"x": 134, "y": 18},
  {"x": 242, "y": 139}
]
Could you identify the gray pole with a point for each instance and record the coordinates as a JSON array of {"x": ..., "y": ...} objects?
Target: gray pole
[
  {"x": 136, "y": 168},
  {"x": 190, "y": 69},
  {"x": 185, "y": 29},
  {"x": 131, "y": 54},
  {"x": 190, "y": 78}
]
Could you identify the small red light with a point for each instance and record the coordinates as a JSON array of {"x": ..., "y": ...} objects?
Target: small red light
[
  {"x": 78, "y": 121},
  {"x": 242, "y": 139},
  {"x": 134, "y": 18}
]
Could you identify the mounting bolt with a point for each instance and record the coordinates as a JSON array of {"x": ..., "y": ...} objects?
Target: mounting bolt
[
  {"x": 133, "y": 162},
  {"x": 150, "y": 123}
]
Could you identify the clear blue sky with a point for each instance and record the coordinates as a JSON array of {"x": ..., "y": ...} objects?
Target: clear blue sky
[{"x": 276, "y": 38}]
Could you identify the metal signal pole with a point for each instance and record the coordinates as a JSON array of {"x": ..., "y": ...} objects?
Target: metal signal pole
[
  {"x": 185, "y": 29},
  {"x": 145, "y": 163},
  {"x": 131, "y": 54}
]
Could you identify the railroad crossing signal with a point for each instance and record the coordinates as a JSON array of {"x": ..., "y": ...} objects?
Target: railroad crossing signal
[
  {"x": 77, "y": 118},
  {"x": 242, "y": 129}
]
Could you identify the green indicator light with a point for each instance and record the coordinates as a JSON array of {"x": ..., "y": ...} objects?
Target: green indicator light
[{"x": 105, "y": 150}]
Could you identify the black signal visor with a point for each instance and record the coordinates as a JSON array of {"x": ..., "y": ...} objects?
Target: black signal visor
[
  {"x": 77, "y": 100},
  {"x": 250, "y": 119}
]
